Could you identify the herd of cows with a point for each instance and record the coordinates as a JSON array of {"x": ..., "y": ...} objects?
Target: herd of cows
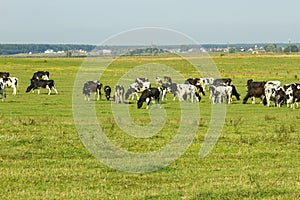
[
  {"x": 40, "y": 79},
  {"x": 220, "y": 90}
]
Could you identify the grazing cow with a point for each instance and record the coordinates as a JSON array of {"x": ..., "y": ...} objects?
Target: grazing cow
[
  {"x": 2, "y": 89},
  {"x": 92, "y": 86},
  {"x": 222, "y": 81},
  {"x": 255, "y": 90},
  {"x": 136, "y": 87},
  {"x": 41, "y": 75},
  {"x": 11, "y": 82},
  {"x": 37, "y": 84},
  {"x": 292, "y": 95},
  {"x": 119, "y": 94},
  {"x": 148, "y": 94},
  {"x": 4, "y": 74},
  {"x": 107, "y": 91}
]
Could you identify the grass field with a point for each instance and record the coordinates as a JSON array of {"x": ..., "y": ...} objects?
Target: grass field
[{"x": 42, "y": 156}]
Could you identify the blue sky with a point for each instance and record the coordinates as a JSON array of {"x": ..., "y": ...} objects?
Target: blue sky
[{"x": 92, "y": 21}]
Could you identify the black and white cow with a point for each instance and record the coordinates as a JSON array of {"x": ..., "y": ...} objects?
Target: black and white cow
[
  {"x": 4, "y": 74},
  {"x": 2, "y": 89},
  {"x": 292, "y": 95},
  {"x": 147, "y": 95},
  {"x": 92, "y": 86},
  {"x": 119, "y": 94},
  {"x": 41, "y": 75},
  {"x": 255, "y": 90},
  {"x": 11, "y": 82},
  {"x": 37, "y": 84},
  {"x": 107, "y": 90},
  {"x": 274, "y": 93}
]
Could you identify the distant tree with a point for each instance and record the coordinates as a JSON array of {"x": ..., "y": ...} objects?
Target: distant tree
[
  {"x": 291, "y": 48},
  {"x": 270, "y": 48}
]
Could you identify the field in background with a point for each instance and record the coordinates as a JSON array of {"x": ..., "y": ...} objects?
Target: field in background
[{"x": 42, "y": 157}]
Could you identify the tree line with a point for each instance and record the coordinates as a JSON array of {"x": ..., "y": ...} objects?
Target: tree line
[{"x": 9, "y": 49}]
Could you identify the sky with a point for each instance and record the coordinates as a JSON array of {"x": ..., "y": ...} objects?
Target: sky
[{"x": 94, "y": 21}]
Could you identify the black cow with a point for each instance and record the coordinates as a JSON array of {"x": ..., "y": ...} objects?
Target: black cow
[
  {"x": 41, "y": 75},
  {"x": 37, "y": 84},
  {"x": 107, "y": 90},
  {"x": 4, "y": 74},
  {"x": 148, "y": 94},
  {"x": 92, "y": 86},
  {"x": 222, "y": 81},
  {"x": 255, "y": 90}
]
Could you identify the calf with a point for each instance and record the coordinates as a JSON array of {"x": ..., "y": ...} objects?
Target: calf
[
  {"x": 41, "y": 75},
  {"x": 11, "y": 82},
  {"x": 2, "y": 89},
  {"x": 147, "y": 95},
  {"x": 223, "y": 93},
  {"x": 4, "y": 74},
  {"x": 119, "y": 94},
  {"x": 37, "y": 84},
  {"x": 107, "y": 91},
  {"x": 92, "y": 86},
  {"x": 255, "y": 90}
]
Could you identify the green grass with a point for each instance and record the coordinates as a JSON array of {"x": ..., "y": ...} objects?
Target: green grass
[{"x": 42, "y": 157}]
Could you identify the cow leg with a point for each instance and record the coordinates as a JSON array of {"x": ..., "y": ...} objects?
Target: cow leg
[
  {"x": 14, "y": 90},
  {"x": 148, "y": 100},
  {"x": 55, "y": 90},
  {"x": 253, "y": 100},
  {"x": 38, "y": 91}
]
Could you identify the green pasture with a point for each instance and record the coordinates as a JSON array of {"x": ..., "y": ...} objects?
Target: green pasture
[{"x": 42, "y": 156}]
